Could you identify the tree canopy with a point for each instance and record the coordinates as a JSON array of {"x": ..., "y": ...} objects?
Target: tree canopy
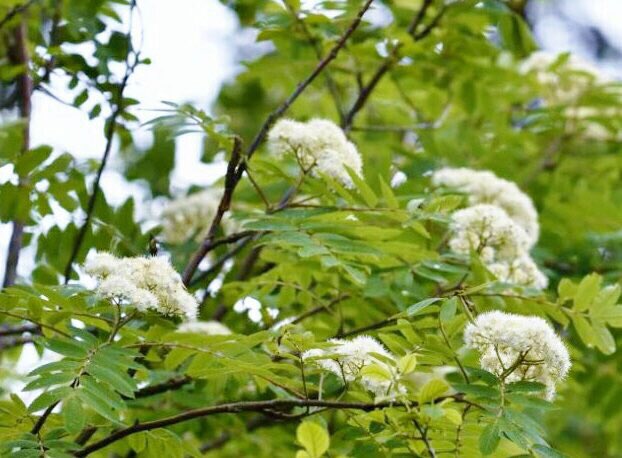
[{"x": 415, "y": 248}]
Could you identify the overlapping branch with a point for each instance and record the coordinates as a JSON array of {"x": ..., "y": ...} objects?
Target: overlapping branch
[{"x": 236, "y": 167}]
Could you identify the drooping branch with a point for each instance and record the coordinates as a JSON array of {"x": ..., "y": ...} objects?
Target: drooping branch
[
  {"x": 233, "y": 178},
  {"x": 18, "y": 55},
  {"x": 245, "y": 406}
]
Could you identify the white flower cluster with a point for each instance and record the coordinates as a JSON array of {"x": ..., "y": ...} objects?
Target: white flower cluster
[
  {"x": 547, "y": 67},
  {"x": 489, "y": 231},
  {"x": 517, "y": 348},
  {"x": 141, "y": 282},
  {"x": 588, "y": 122},
  {"x": 191, "y": 216},
  {"x": 484, "y": 187},
  {"x": 319, "y": 145},
  {"x": 501, "y": 224},
  {"x": 346, "y": 359},
  {"x": 569, "y": 90},
  {"x": 210, "y": 328}
]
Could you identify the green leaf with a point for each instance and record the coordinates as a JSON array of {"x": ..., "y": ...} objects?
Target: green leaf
[
  {"x": 369, "y": 197},
  {"x": 138, "y": 441},
  {"x": 587, "y": 291},
  {"x": 432, "y": 390},
  {"x": 73, "y": 415},
  {"x": 448, "y": 309},
  {"x": 407, "y": 364},
  {"x": 419, "y": 306},
  {"x": 117, "y": 380},
  {"x": 313, "y": 437},
  {"x": 376, "y": 371},
  {"x": 48, "y": 398},
  {"x": 584, "y": 330},
  {"x": 489, "y": 439},
  {"x": 70, "y": 348}
]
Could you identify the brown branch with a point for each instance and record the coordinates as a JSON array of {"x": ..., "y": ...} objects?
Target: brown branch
[
  {"x": 231, "y": 181},
  {"x": 18, "y": 55},
  {"x": 169, "y": 385},
  {"x": 412, "y": 28},
  {"x": 245, "y": 406},
  {"x": 314, "y": 42},
  {"x": 366, "y": 91},
  {"x": 393, "y": 57},
  {"x": 7, "y": 330},
  {"x": 236, "y": 169},
  {"x": 17, "y": 9},
  {"x": 215, "y": 268}
]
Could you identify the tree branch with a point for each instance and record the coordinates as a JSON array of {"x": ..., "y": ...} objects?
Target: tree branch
[
  {"x": 245, "y": 406},
  {"x": 234, "y": 176},
  {"x": 225, "y": 202},
  {"x": 393, "y": 57},
  {"x": 17, "y": 9},
  {"x": 18, "y": 55}
]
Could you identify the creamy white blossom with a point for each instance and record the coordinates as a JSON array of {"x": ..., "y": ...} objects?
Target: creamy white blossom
[
  {"x": 522, "y": 271},
  {"x": 516, "y": 347},
  {"x": 346, "y": 359},
  {"x": 190, "y": 217},
  {"x": 210, "y": 328},
  {"x": 319, "y": 145},
  {"x": 587, "y": 121},
  {"x": 548, "y": 68},
  {"x": 147, "y": 283},
  {"x": 484, "y": 187},
  {"x": 489, "y": 231}
]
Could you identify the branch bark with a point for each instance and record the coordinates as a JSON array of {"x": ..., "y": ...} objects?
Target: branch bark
[
  {"x": 238, "y": 407},
  {"x": 18, "y": 55}
]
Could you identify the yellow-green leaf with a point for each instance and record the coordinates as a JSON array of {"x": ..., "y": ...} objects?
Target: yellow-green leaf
[
  {"x": 314, "y": 438},
  {"x": 407, "y": 363}
]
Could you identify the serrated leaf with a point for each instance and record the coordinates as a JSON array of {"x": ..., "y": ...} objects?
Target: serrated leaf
[
  {"x": 48, "y": 398},
  {"x": 68, "y": 348}
]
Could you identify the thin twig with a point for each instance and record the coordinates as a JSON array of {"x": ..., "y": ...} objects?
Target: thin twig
[
  {"x": 314, "y": 42},
  {"x": 109, "y": 135}
]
